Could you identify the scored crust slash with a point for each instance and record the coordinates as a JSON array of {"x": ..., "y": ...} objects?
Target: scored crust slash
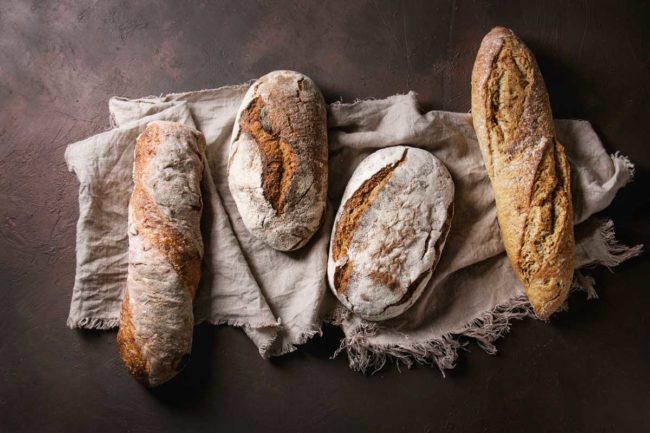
[
  {"x": 279, "y": 162},
  {"x": 353, "y": 210}
]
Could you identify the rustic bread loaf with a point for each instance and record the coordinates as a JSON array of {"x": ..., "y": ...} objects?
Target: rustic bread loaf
[
  {"x": 389, "y": 231},
  {"x": 277, "y": 168},
  {"x": 165, "y": 251},
  {"x": 527, "y": 166}
]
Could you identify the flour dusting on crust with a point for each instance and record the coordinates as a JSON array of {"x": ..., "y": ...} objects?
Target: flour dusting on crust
[
  {"x": 393, "y": 244},
  {"x": 277, "y": 166}
]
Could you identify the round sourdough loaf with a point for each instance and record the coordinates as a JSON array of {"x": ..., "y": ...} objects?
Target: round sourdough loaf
[
  {"x": 277, "y": 167},
  {"x": 389, "y": 231}
]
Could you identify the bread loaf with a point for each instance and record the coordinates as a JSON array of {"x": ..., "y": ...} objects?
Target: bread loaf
[
  {"x": 389, "y": 231},
  {"x": 527, "y": 166},
  {"x": 165, "y": 251},
  {"x": 277, "y": 169}
]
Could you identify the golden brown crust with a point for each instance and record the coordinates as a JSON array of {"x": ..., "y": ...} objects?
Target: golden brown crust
[
  {"x": 528, "y": 168},
  {"x": 279, "y": 161},
  {"x": 129, "y": 350},
  {"x": 152, "y": 225}
]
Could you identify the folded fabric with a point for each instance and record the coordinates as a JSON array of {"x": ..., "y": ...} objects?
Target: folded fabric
[{"x": 281, "y": 299}]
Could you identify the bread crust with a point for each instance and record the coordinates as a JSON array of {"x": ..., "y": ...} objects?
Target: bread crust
[
  {"x": 389, "y": 231},
  {"x": 527, "y": 167},
  {"x": 277, "y": 167},
  {"x": 165, "y": 251}
]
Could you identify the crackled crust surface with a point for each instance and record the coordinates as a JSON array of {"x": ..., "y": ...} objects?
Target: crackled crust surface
[
  {"x": 527, "y": 166},
  {"x": 389, "y": 231},
  {"x": 277, "y": 170},
  {"x": 165, "y": 251}
]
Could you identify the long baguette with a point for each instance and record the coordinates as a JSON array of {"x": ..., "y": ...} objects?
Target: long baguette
[{"x": 527, "y": 166}]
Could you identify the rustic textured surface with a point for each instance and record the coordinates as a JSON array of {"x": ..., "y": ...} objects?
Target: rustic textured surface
[
  {"x": 586, "y": 371},
  {"x": 389, "y": 231},
  {"x": 278, "y": 160},
  {"x": 527, "y": 166},
  {"x": 277, "y": 164},
  {"x": 347, "y": 222}
]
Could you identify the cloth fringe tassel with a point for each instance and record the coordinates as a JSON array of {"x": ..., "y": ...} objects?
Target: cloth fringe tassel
[{"x": 99, "y": 323}]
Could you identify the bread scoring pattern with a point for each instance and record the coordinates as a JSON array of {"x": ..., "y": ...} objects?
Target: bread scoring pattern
[{"x": 527, "y": 166}]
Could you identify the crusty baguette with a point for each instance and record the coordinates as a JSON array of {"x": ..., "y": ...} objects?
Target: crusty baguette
[
  {"x": 389, "y": 231},
  {"x": 277, "y": 168},
  {"x": 165, "y": 251},
  {"x": 527, "y": 166}
]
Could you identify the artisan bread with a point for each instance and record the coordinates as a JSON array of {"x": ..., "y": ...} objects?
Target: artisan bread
[
  {"x": 165, "y": 251},
  {"x": 389, "y": 231},
  {"x": 527, "y": 166},
  {"x": 277, "y": 168}
]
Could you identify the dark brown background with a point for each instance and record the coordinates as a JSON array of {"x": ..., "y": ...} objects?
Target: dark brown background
[{"x": 60, "y": 61}]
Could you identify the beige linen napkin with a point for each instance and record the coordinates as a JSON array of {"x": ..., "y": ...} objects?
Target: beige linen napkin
[{"x": 280, "y": 299}]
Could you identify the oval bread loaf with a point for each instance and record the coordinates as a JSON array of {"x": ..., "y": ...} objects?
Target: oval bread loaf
[
  {"x": 165, "y": 251},
  {"x": 389, "y": 231},
  {"x": 527, "y": 166},
  {"x": 277, "y": 167}
]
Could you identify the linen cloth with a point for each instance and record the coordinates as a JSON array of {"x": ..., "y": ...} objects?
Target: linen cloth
[{"x": 281, "y": 299}]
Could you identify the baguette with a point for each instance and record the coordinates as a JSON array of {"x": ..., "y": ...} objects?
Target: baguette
[
  {"x": 277, "y": 166},
  {"x": 165, "y": 251},
  {"x": 389, "y": 231},
  {"x": 527, "y": 167}
]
